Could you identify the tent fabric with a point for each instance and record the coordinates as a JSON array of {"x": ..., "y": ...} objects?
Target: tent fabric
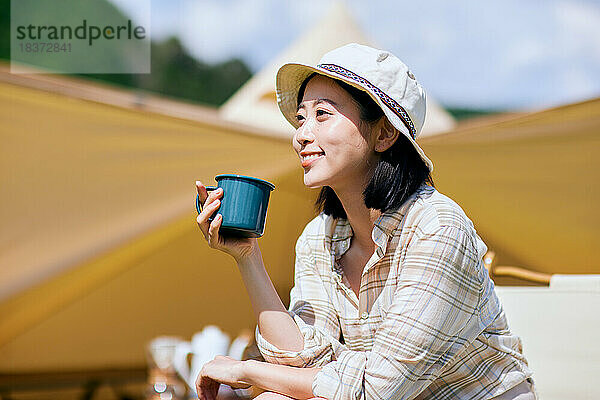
[
  {"x": 530, "y": 184},
  {"x": 93, "y": 192},
  {"x": 77, "y": 175},
  {"x": 114, "y": 95},
  {"x": 100, "y": 252}
]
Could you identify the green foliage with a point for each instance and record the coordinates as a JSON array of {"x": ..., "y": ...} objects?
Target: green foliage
[
  {"x": 467, "y": 113},
  {"x": 5, "y": 29},
  {"x": 174, "y": 72},
  {"x": 181, "y": 75}
]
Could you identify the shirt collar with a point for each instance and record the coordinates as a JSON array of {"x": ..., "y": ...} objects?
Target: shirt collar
[
  {"x": 385, "y": 225},
  {"x": 341, "y": 236},
  {"x": 383, "y": 228}
]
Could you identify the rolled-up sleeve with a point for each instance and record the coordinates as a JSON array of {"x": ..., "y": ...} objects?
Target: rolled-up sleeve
[
  {"x": 313, "y": 312},
  {"x": 433, "y": 317}
]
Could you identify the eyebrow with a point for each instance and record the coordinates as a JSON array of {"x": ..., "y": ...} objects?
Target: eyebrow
[{"x": 319, "y": 101}]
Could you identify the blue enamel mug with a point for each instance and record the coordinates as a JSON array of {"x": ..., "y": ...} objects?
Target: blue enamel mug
[{"x": 243, "y": 205}]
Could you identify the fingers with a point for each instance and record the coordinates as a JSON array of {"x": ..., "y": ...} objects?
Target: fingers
[
  {"x": 214, "y": 390},
  {"x": 213, "y": 231},
  {"x": 207, "y": 388},
  {"x": 205, "y": 195},
  {"x": 214, "y": 195},
  {"x": 202, "y": 192},
  {"x": 211, "y": 204},
  {"x": 202, "y": 218}
]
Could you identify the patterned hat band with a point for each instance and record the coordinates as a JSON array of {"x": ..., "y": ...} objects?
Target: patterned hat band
[{"x": 387, "y": 100}]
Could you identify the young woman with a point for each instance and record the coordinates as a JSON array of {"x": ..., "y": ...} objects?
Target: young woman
[{"x": 391, "y": 299}]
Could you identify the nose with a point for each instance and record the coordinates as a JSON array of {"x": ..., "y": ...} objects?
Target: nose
[{"x": 304, "y": 134}]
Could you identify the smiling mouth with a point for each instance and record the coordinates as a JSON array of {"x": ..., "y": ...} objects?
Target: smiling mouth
[{"x": 310, "y": 158}]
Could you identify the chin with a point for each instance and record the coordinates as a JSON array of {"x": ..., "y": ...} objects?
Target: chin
[
  {"x": 308, "y": 183},
  {"x": 312, "y": 181}
]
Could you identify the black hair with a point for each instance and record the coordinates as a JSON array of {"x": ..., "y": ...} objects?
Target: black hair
[{"x": 398, "y": 174}]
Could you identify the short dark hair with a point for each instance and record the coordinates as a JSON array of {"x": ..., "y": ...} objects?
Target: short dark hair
[{"x": 398, "y": 174}]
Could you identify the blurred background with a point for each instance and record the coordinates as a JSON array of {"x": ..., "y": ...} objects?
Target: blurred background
[{"x": 103, "y": 270}]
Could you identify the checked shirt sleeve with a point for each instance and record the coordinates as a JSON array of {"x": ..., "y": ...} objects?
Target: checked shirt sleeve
[
  {"x": 314, "y": 314},
  {"x": 433, "y": 317}
]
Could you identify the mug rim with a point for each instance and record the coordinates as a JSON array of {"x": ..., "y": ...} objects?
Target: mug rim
[{"x": 250, "y": 178}]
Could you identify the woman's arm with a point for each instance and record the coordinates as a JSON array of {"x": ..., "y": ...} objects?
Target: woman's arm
[
  {"x": 290, "y": 381},
  {"x": 313, "y": 310},
  {"x": 305, "y": 336},
  {"x": 274, "y": 322}
]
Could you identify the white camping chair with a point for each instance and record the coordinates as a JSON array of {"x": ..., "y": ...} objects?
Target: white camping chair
[{"x": 559, "y": 325}]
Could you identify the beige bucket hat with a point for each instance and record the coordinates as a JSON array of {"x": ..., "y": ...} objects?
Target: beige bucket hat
[{"x": 378, "y": 72}]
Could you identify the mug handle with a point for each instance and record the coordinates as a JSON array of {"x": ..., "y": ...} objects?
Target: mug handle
[{"x": 198, "y": 206}]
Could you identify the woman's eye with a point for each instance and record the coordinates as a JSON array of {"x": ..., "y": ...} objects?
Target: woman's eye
[
  {"x": 299, "y": 117},
  {"x": 321, "y": 112}
]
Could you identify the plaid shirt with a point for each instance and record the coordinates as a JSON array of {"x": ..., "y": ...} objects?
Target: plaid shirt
[{"x": 427, "y": 323}]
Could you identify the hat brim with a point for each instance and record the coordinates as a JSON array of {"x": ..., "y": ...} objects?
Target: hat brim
[{"x": 289, "y": 78}]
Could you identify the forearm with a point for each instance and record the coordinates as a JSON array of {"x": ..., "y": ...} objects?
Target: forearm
[
  {"x": 274, "y": 322},
  {"x": 290, "y": 381}
]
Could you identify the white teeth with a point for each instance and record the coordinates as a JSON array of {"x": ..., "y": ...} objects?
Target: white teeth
[{"x": 311, "y": 156}]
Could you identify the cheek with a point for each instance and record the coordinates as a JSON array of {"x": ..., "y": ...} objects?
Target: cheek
[
  {"x": 351, "y": 149},
  {"x": 343, "y": 134}
]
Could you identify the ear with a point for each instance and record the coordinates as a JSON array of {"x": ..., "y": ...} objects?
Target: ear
[{"x": 386, "y": 135}]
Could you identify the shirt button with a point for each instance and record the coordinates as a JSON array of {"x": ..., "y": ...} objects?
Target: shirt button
[{"x": 364, "y": 315}]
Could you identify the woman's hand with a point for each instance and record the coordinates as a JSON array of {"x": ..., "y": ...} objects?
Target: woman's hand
[
  {"x": 222, "y": 369},
  {"x": 239, "y": 248}
]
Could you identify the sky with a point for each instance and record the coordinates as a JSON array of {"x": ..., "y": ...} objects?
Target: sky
[{"x": 509, "y": 54}]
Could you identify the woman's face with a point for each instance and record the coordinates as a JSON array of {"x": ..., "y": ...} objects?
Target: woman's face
[{"x": 333, "y": 150}]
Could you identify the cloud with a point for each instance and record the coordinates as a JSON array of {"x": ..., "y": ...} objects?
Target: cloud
[
  {"x": 512, "y": 54},
  {"x": 255, "y": 30},
  {"x": 509, "y": 54},
  {"x": 214, "y": 31},
  {"x": 137, "y": 10}
]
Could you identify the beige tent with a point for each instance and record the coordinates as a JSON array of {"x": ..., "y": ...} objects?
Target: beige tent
[
  {"x": 100, "y": 252},
  {"x": 255, "y": 102},
  {"x": 530, "y": 184}
]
